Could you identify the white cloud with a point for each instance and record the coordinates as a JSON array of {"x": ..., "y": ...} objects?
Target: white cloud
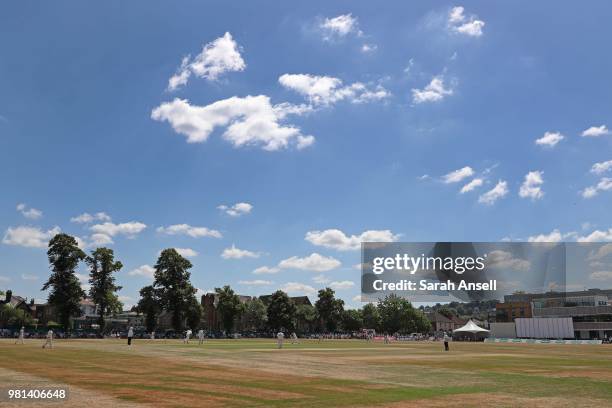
[
  {"x": 336, "y": 239},
  {"x": 433, "y": 92},
  {"x": 532, "y": 186},
  {"x": 237, "y": 253},
  {"x": 326, "y": 90},
  {"x": 28, "y": 277},
  {"x": 32, "y": 237},
  {"x": 143, "y": 270},
  {"x": 339, "y": 285},
  {"x": 459, "y": 23},
  {"x": 602, "y": 167},
  {"x": 339, "y": 27},
  {"x": 368, "y": 48},
  {"x": 505, "y": 260},
  {"x": 597, "y": 236},
  {"x": 321, "y": 279},
  {"x": 87, "y": 218},
  {"x": 601, "y": 275},
  {"x": 550, "y": 139},
  {"x": 186, "y": 252},
  {"x": 265, "y": 270},
  {"x": 217, "y": 57},
  {"x": 128, "y": 229},
  {"x": 256, "y": 282},
  {"x": 596, "y": 131},
  {"x": 554, "y": 236},
  {"x": 186, "y": 229},
  {"x": 604, "y": 184},
  {"x": 497, "y": 192},
  {"x": 477, "y": 182},
  {"x": 458, "y": 175},
  {"x": 298, "y": 288},
  {"x": 236, "y": 210},
  {"x": 31, "y": 213},
  {"x": 251, "y": 120},
  {"x": 99, "y": 239},
  {"x": 84, "y": 280},
  {"x": 314, "y": 262}
]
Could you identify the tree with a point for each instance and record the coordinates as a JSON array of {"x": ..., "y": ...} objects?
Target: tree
[
  {"x": 228, "y": 306},
  {"x": 194, "y": 313},
  {"x": 396, "y": 314},
  {"x": 422, "y": 323},
  {"x": 371, "y": 317},
  {"x": 149, "y": 306},
  {"x": 281, "y": 311},
  {"x": 172, "y": 283},
  {"x": 329, "y": 309},
  {"x": 446, "y": 311},
  {"x": 255, "y": 314},
  {"x": 102, "y": 265},
  {"x": 352, "y": 320},
  {"x": 9, "y": 316},
  {"x": 64, "y": 256},
  {"x": 304, "y": 315}
]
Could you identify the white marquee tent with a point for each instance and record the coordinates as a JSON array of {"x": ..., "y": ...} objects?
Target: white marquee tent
[{"x": 470, "y": 327}]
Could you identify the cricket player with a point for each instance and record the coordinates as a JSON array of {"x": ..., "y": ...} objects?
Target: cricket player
[
  {"x": 280, "y": 337},
  {"x": 187, "y": 336},
  {"x": 446, "y": 340},
  {"x": 21, "y": 336},
  {"x": 130, "y": 335},
  {"x": 49, "y": 340},
  {"x": 294, "y": 338},
  {"x": 200, "y": 337},
  {"x": 153, "y": 335}
]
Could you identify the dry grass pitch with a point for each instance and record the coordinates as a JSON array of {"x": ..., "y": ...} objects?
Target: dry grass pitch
[{"x": 351, "y": 373}]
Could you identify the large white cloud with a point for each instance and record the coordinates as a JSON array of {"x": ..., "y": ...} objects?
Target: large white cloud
[
  {"x": 339, "y": 27},
  {"x": 32, "y": 237},
  {"x": 459, "y": 23},
  {"x": 251, "y": 120},
  {"x": 143, "y": 270},
  {"x": 458, "y": 175},
  {"x": 336, "y": 239},
  {"x": 313, "y": 262},
  {"x": 601, "y": 167},
  {"x": 497, "y": 192},
  {"x": 236, "y": 210},
  {"x": 554, "y": 236},
  {"x": 532, "y": 186},
  {"x": 31, "y": 213},
  {"x": 435, "y": 91},
  {"x": 186, "y": 229},
  {"x": 237, "y": 253},
  {"x": 326, "y": 90},
  {"x": 128, "y": 229},
  {"x": 550, "y": 139},
  {"x": 604, "y": 184},
  {"x": 597, "y": 236},
  {"x": 596, "y": 131},
  {"x": 217, "y": 57}
]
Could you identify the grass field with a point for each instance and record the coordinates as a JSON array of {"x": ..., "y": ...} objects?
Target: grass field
[{"x": 332, "y": 373}]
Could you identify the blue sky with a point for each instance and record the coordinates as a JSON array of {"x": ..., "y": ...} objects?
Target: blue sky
[{"x": 359, "y": 117}]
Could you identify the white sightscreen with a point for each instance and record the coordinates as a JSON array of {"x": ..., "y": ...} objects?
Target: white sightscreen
[{"x": 545, "y": 328}]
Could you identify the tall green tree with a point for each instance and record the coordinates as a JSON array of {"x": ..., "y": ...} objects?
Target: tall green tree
[
  {"x": 194, "y": 314},
  {"x": 352, "y": 320},
  {"x": 371, "y": 317},
  {"x": 329, "y": 309},
  {"x": 255, "y": 314},
  {"x": 305, "y": 315},
  {"x": 102, "y": 266},
  {"x": 228, "y": 306},
  {"x": 65, "y": 290},
  {"x": 281, "y": 311},
  {"x": 173, "y": 285},
  {"x": 396, "y": 314},
  {"x": 149, "y": 306}
]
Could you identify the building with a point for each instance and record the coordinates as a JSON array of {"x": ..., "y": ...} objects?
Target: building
[
  {"x": 508, "y": 311},
  {"x": 441, "y": 323}
]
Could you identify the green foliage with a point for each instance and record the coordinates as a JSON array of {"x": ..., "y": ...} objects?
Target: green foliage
[
  {"x": 397, "y": 315},
  {"x": 9, "y": 316},
  {"x": 305, "y": 315},
  {"x": 172, "y": 283},
  {"x": 352, "y": 320},
  {"x": 446, "y": 312},
  {"x": 64, "y": 256},
  {"x": 228, "y": 306},
  {"x": 329, "y": 309},
  {"x": 371, "y": 317},
  {"x": 149, "y": 306},
  {"x": 102, "y": 265},
  {"x": 255, "y": 314},
  {"x": 281, "y": 311},
  {"x": 194, "y": 314}
]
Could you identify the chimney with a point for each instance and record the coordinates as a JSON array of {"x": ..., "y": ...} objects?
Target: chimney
[{"x": 9, "y": 295}]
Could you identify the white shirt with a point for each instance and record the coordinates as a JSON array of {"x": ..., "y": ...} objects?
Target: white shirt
[
  {"x": 131, "y": 332},
  {"x": 201, "y": 334},
  {"x": 446, "y": 338},
  {"x": 50, "y": 334},
  {"x": 280, "y": 335}
]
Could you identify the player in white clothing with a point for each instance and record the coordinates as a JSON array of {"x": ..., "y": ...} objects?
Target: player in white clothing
[
  {"x": 21, "y": 335},
  {"x": 200, "y": 337},
  {"x": 280, "y": 337},
  {"x": 49, "y": 340}
]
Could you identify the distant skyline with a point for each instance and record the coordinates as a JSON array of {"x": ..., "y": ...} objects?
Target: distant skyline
[{"x": 266, "y": 141}]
